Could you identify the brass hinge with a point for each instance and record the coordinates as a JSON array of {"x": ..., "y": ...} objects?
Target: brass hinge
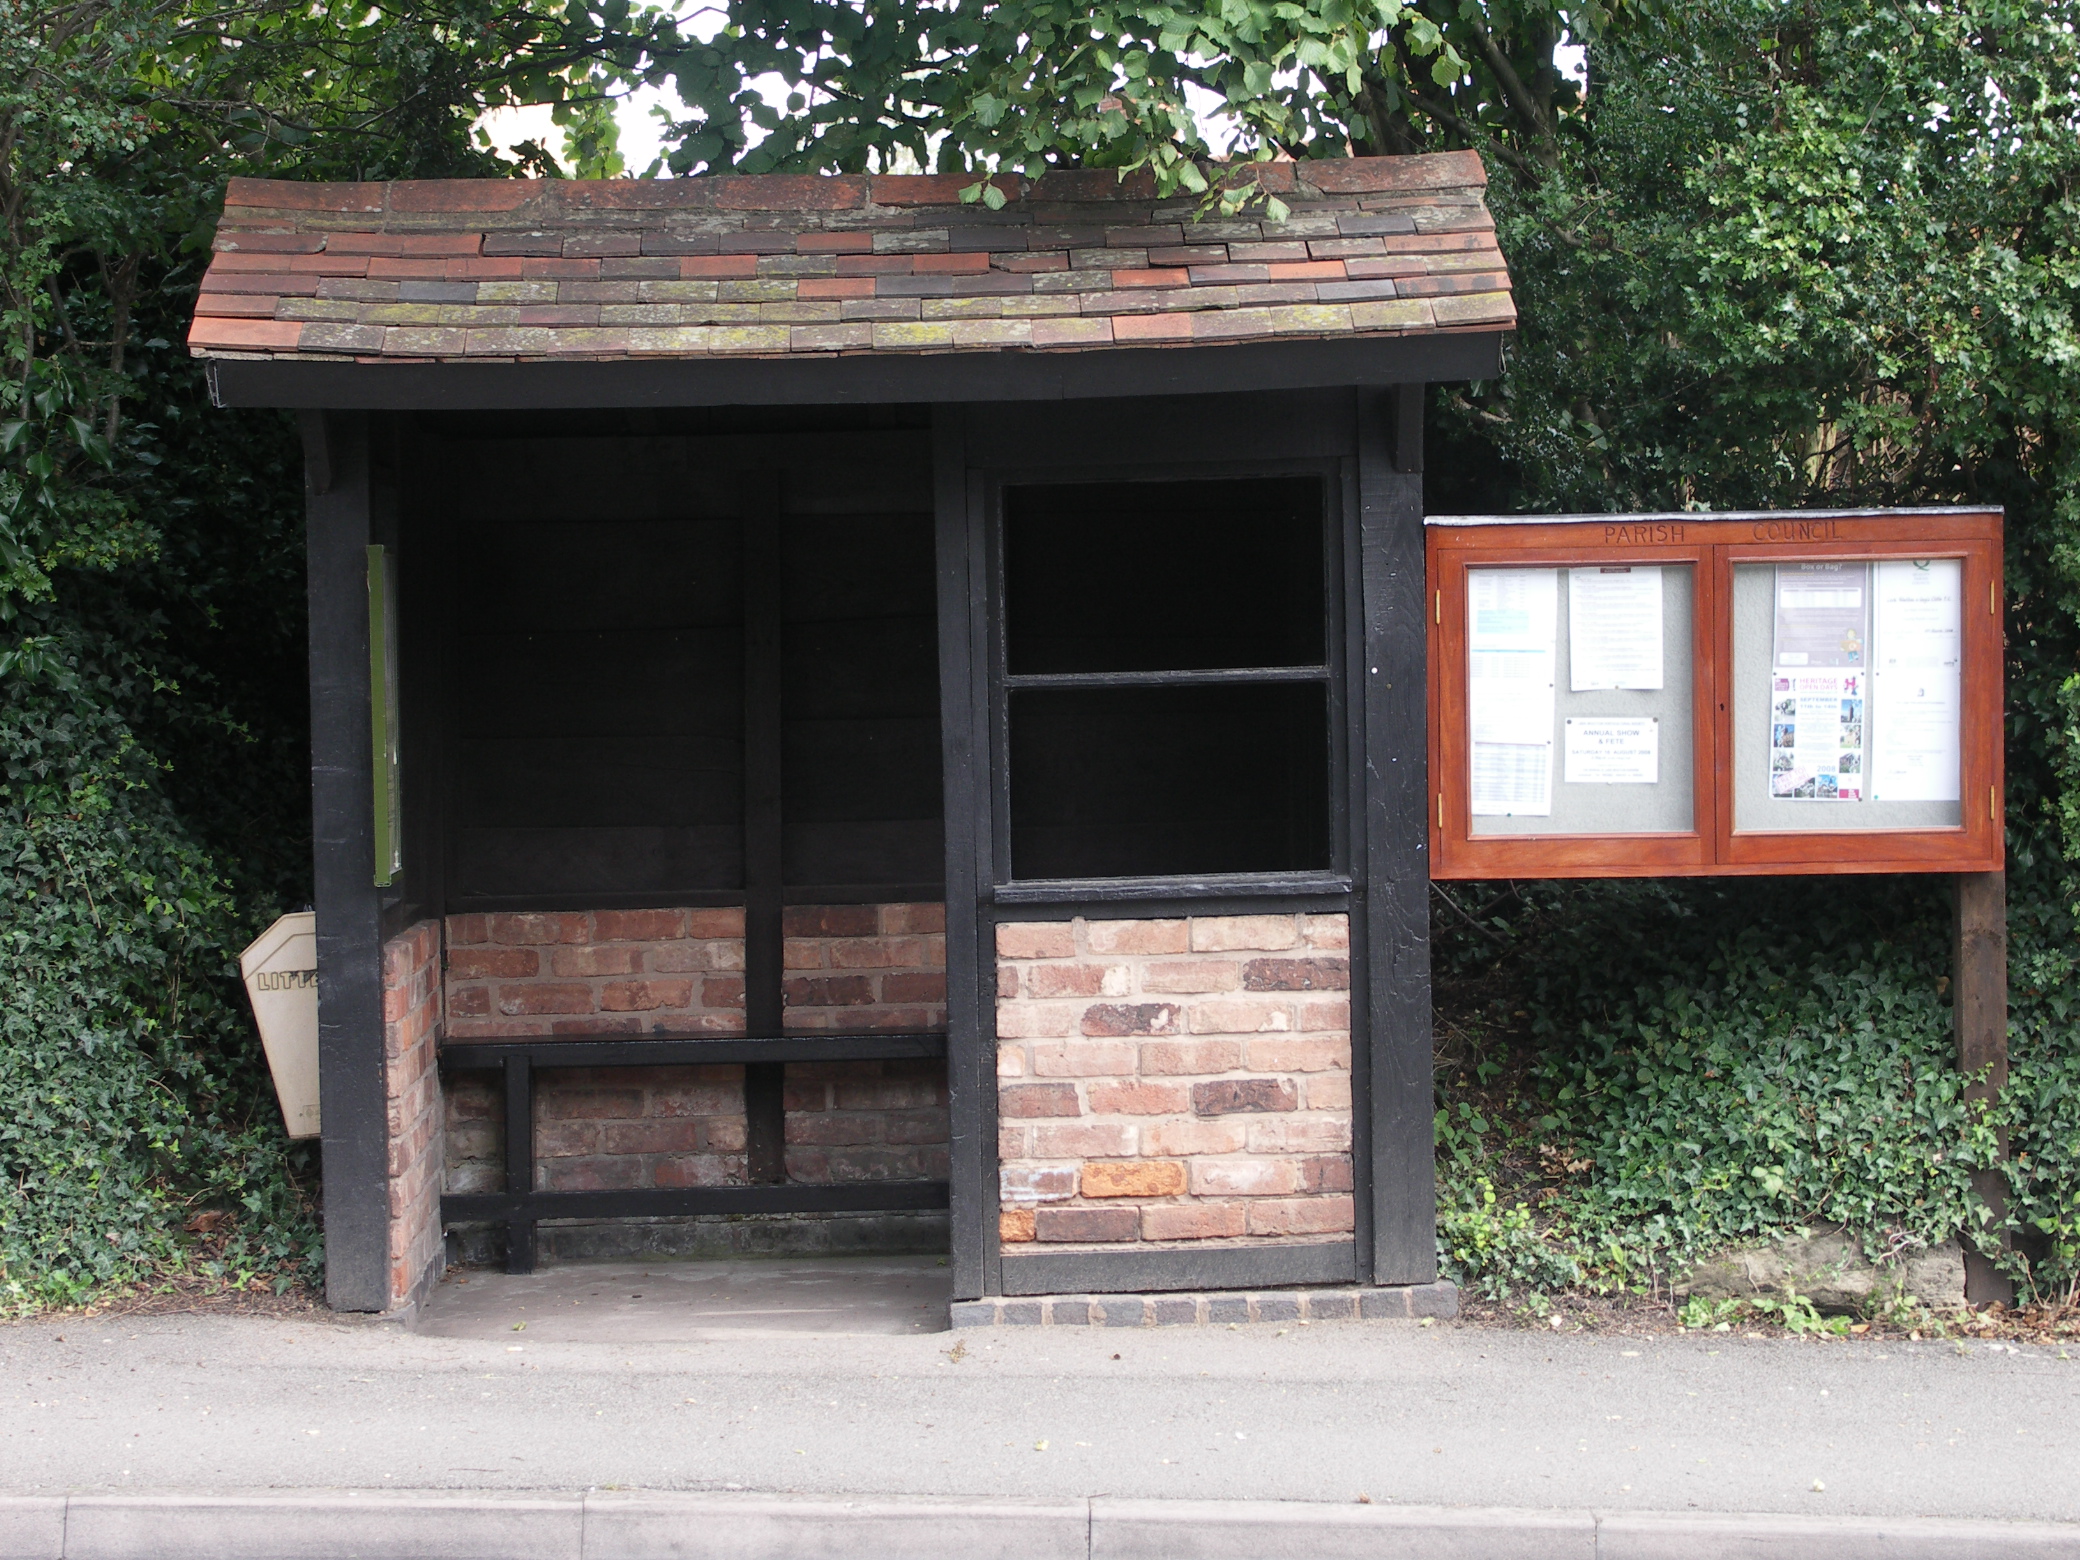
[
  {"x": 1440, "y": 809},
  {"x": 1440, "y": 606}
]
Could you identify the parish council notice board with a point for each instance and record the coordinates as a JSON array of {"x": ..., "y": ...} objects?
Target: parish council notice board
[{"x": 1694, "y": 684}]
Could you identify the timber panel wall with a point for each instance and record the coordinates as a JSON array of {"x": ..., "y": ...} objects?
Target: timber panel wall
[{"x": 594, "y": 670}]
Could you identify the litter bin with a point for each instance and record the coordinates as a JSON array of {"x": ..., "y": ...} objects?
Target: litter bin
[{"x": 281, "y": 976}]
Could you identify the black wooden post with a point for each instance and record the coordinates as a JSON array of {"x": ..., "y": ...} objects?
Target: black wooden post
[
  {"x": 1979, "y": 1004},
  {"x": 519, "y": 1090},
  {"x": 1352, "y": 648},
  {"x": 1397, "y": 863},
  {"x": 971, "y": 1071},
  {"x": 765, "y": 1083},
  {"x": 350, "y": 946}
]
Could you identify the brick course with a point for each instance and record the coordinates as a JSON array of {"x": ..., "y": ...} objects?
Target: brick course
[
  {"x": 632, "y": 972},
  {"x": 596, "y": 972},
  {"x": 684, "y": 1126},
  {"x": 1172, "y": 1080},
  {"x": 865, "y": 967}
]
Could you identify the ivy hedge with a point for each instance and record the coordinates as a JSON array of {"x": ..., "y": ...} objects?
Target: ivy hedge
[
  {"x": 133, "y": 1094},
  {"x": 1647, "y": 1073}
]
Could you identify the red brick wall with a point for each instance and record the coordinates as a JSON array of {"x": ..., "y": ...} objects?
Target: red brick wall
[
  {"x": 596, "y": 972},
  {"x": 600, "y": 972},
  {"x": 412, "y": 1095},
  {"x": 866, "y": 1121},
  {"x": 1174, "y": 1080},
  {"x": 865, "y": 967}
]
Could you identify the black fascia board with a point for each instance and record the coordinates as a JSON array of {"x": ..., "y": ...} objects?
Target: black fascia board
[{"x": 882, "y": 378}]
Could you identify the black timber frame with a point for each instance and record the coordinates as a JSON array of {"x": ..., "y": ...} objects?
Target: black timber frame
[
  {"x": 765, "y": 1082},
  {"x": 339, "y": 495},
  {"x": 924, "y": 378},
  {"x": 1385, "y": 890},
  {"x": 1371, "y": 441}
]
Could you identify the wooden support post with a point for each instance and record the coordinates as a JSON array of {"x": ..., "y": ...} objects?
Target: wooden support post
[
  {"x": 765, "y": 1083},
  {"x": 519, "y": 1082},
  {"x": 971, "y": 1069},
  {"x": 1397, "y": 858},
  {"x": 356, "y": 1151},
  {"x": 1979, "y": 1001}
]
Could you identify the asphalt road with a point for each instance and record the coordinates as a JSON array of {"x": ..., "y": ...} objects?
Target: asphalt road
[{"x": 1448, "y": 1414}]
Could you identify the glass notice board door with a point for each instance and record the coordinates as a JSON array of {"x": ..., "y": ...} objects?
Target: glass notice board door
[
  {"x": 1848, "y": 680},
  {"x": 1579, "y": 699}
]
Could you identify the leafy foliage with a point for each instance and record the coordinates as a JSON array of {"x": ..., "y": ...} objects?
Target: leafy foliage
[
  {"x": 1675, "y": 1068},
  {"x": 1001, "y": 88},
  {"x": 132, "y": 1088},
  {"x": 1825, "y": 253}
]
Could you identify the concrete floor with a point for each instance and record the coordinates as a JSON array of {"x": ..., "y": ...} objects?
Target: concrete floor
[{"x": 664, "y": 1301}]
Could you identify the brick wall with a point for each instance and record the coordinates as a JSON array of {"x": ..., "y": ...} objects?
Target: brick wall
[
  {"x": 621, "y": 972},
  {"x": 866, "y": 1121},
  {"x": 596, "y": 972},
  {"x": 865, "y": 967},
  {"x": 412, "y": 1096},
  {"x": 1174, "y": 1080}
]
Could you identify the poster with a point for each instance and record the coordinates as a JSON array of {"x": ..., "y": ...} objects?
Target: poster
[
  {"x": 1612, "y": 750},
  {"x": 1916, "y": 636},
  {"x": 1613, "y": 628},
  {"x": 1818, "y": 682},
  {"x": 1511, "y": 647},
  {"x": 1821, "y": 614},
  {"x": 1816, "y": 735}
]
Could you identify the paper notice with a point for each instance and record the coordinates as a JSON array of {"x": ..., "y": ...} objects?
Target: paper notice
[
  {"x": 1818, "y": 682},
  {"x": 1820, "y": 617},
  {"x": 1613, "y": 628},
  {"x": 1511, "y": 648},
  {"x": 1916, "y": 636},
  {"x": 1512, "y": 779},
  {"x": 1603, "y": 750}
]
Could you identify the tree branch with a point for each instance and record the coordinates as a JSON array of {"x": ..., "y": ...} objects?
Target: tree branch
[
  {"x": 1513, "y": 88},
  {"x": 1486, "y": 931},
  {"x": 1478, "y": 135}
]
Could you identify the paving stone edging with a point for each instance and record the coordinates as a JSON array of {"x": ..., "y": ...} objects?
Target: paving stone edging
[
  {"x": 618, "y": 1525},
  {"x": 1397, "y": 1301}
]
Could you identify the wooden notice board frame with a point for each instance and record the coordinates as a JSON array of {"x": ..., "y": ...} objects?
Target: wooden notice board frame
[{"x": 1713, "y": 545}]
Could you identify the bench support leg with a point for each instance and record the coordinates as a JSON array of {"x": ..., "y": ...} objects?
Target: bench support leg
[{"x": 520, "y": 1252}]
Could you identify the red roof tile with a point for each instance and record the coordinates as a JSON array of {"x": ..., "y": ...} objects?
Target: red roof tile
[{"x": 789, "y": 265}]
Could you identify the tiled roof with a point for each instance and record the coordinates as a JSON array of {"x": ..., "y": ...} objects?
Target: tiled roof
[{"x": 776, "y": 265}]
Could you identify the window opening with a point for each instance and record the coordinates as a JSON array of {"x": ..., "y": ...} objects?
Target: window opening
[{"x": 1167, "y": 678}]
